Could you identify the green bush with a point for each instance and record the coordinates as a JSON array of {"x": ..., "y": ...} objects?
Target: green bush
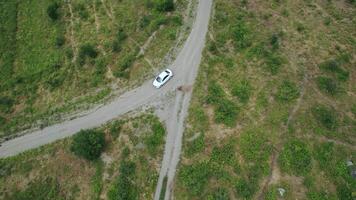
[
  {"x": 242, "y": 90},
  {"x": 274, "y": 41},
  {"x": 226, "y": 112},
  {"x": 6, "y": 104},
  {"x": 334, "y": 67},
  {"x": 344, "y": 192},
  {"x": 295, "y": 158},
  {"x": 154, "y": 140},
  {"x": 196, "y": 145},
  {"x": 52, "y": 11},
  {"x": 123, "y": 187},
  {"x": 325, "y": 116},
  {"x": 327, "y": 85},
  {"x": 221, "y": 194},
  {"x": 215, "y": 93},
  {"x": 241, "y": 35},
  {"x": 287, "y": 92},
  {"x": 254, "y": 146},
  {"x": 88, "y": 144},
  {"x": 194, "y": 177},
  {"x": 245, "y": 189},
  {"x": 60, "y": 41},
  {"x": 86, "y": 51},
  {"x": 164, "y": 5},
  {"x": 324, "y": 154},
  {"x": 224, "y": 155},
  {"x": 273, "y": 62}
]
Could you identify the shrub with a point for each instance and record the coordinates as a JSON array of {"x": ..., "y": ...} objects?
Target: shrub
[
  {"x": 123, "y": 187},
  {"x": 196, "y": 146},
  {"x": 245, "y": 189},
  {"x": 327, "y": 85},
  {"x": 273, "y": 62},
  {"x": 344, "y": 192},
  {"x": 116, "y": 46},
  {"x": 324, "y": 154},
  {"x": 221, "y": 194},
  {"x": 333, "y": 66},
  {"x": 88, "y": 144},
  {"x": 52, "y": 11},
  {"x": 254, "y": 146},
  {"x": 242, "y": 90},
  {"x": 295, "y": 158},
  {"x": 241, "y": 35},
  {"x": 6, "y": 104},
  {"x": 325, "y": 116},
  {"x": 194, "y": 177},
  {"x": 274, "y": 41},
  {"x": 121, "y": 35},
  {"x": 60, "y": 41},
  {"x": 226, "y": 112},
  {"x": 224, "y": 155},
  {"x": 156, "y": 138},
  {"x": 164, "y": 5},
  {"x": 287, "y": 91},
  {"x": 88, "y": 50},
  {"x": 215, "y": 93}
]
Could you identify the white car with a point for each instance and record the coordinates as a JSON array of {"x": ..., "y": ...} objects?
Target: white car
[{"x": 162, "y": 78}]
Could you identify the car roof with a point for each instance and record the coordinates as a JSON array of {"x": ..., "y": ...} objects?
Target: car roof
[{"x": 163, "y": 74}]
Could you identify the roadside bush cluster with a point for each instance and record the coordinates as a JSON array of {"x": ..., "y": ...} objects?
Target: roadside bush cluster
[
  {"x": 295, "y": 158},
  {"x": 88, "y": 144},
  {"x": 287, "y": 92}
]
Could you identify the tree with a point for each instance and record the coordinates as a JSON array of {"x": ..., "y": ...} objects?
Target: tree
[{"x": 88, "y": 144}]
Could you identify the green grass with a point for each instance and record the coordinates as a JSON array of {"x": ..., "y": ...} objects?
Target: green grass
[{"x": 275, "y": 83}]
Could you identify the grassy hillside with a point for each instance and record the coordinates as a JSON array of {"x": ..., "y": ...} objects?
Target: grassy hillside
[
  {"x": 127, "y": 169},
  {"x": 274, "y": 103},
  {"x": 59, "y": 56}
]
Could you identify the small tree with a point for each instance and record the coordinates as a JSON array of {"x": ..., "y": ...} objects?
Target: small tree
[
  {"x": 52, "y": 11},
  {"x": 88, "y": 144}
]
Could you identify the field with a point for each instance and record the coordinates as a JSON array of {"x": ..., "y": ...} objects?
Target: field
[
  {"x": 274, "y": 103},
  {"x": 57, "y": 57},
  {"x": 127, "y": 169}
]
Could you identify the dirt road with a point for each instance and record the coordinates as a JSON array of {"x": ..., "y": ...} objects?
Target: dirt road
[{"x": 176, "y": 112}]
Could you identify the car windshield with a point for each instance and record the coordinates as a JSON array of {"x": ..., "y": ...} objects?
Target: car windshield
[{"x": 158, "y": 79}]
